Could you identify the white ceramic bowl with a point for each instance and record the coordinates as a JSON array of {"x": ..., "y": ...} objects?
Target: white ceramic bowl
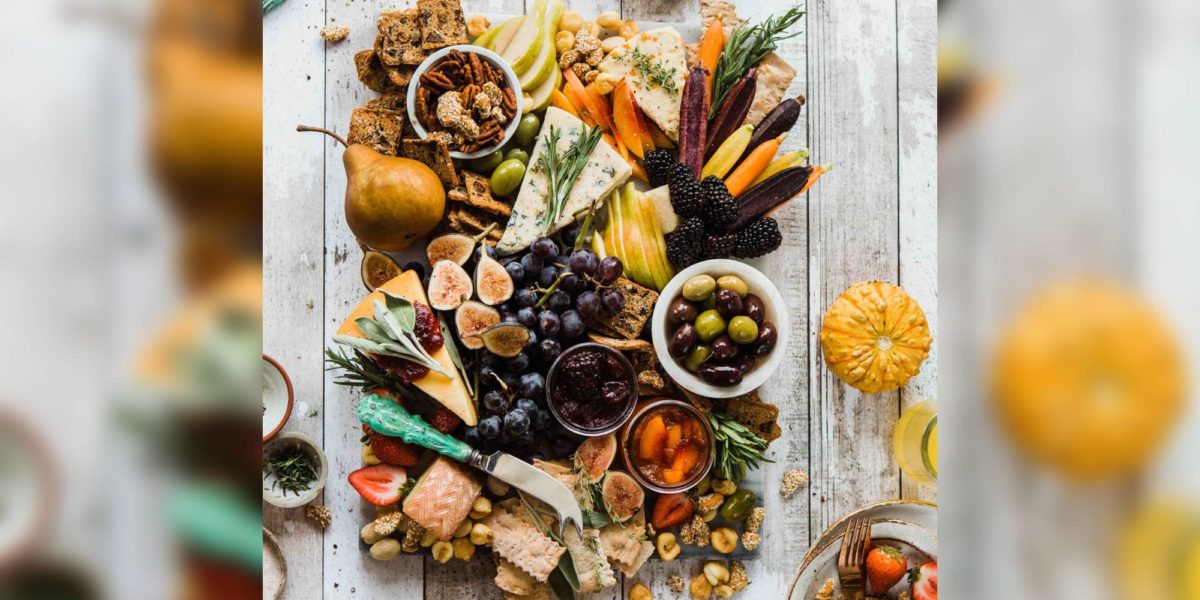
[
  {"x": 759, "y": 285},
  {"x": 514, "y": 84},
  {"x": 276, "y": 496},
  {"x": 278, "y": 397}
]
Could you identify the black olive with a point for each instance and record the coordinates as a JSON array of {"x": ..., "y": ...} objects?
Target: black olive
[
  {"x": 729, "y": 303},
  {"x": 723, "y": 348},
  {"x": 767, "y": 336},
  {"x": 755, "y": 309},
  {"x": 682, "y": 341},
  {"x": 681, "y": 311},
  {"x": 724, "y": 375}
]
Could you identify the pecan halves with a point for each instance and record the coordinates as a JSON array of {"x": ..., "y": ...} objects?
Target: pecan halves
[
  {"x": 469, "y": 92},
  {"x": 438, "y": 80},
  {"x": 477, "y": 75},
  {"x": 510, "y": 100}
]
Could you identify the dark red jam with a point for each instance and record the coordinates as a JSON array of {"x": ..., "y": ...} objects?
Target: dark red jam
[{"x": 593, "y": 389}]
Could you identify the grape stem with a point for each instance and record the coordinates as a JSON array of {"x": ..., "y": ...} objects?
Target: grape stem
[{"x": 550, "y": 290}]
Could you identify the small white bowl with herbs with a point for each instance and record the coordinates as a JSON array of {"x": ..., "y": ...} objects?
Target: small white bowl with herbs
[{"x": 294, "y": 470}]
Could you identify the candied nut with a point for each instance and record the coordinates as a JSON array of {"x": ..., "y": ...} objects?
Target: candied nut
[
  {"x": 368, "y": 534},
  {"x": 709, "y": 502},
  {"x": 600, "y": 85},
  {"x": 700, "y": 589},
  {"x": 387, "y": 523},
  {"x": 792, "y": 481},
  {"x": 442, "y": 551},
  {"x": 715, "y": 572},
  {"x": 581, "y": 69},
  {"x": 628, "y": 28},
  {"x": 571, "y": 21},
  {"x": 385, "y": 549},
  {"x": 481, "y": 508},
  {"x": 724, "y": 540},
  {"x": 611, "y": 43},
  {"x": 676, "y": 584},
  {"x": 569, "y": 58},
  {"x": 609, "y": 19},
  {"x": 755, "y": 520},
  {"x": 463, "y": 549},
  {"x": 738, "y": 579},
  {"x": 334, "y": 33},
  {"x": 564, "y": 41},
  {"x": 668, "y": 546},
  {"x": 751, "y": 540},
  {"x": 594, "y": 57},
  {"x": 319, "y": 515},
  {"x": 724, "y": 487},
  {"x": 639, "y": 591},
  {"x": 427, "y": 539},
  {"x": 497, "y": 487},
  {"x": 481, "y": 534},
  {"x": 723, "y": 591},
  {"x": 464, "y": 529},
  {"x": 591, "y": 76},
  {"x": 368, "y": 456},
  {"x": 477, "y": 25}
]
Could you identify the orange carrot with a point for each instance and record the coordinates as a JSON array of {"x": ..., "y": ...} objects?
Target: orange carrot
[
  {"x": 593, "y": 104},
  {"x": 559, "y": 100},
  {"x": 740, "y": 179},
  {"x": 710, "y": 47}
]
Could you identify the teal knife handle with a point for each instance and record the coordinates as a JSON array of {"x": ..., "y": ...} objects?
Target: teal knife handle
[{"x": 386, "y": 417}]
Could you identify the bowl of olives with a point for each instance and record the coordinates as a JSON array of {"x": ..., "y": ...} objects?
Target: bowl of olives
[{"x": 720, "y": 328}]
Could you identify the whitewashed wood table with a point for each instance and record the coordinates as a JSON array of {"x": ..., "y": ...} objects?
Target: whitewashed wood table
[{"x": 868, "y": 70}]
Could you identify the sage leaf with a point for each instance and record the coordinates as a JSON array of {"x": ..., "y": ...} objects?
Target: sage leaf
[{"x": 402, "y": 309}]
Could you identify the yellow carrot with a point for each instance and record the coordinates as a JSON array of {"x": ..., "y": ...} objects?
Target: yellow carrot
[
  {"x": 791, "y": 159},
  {"x": 756, "y": 162},
  {"x": 728, "y": 152}
]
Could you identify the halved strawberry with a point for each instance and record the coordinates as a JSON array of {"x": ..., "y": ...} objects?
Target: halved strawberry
[
  {"x": 394, "y": 451},
  {"x": 445, "y": 421},
  {"x": 924, "y": 581},
  {"x": 885, "y": 566},
  {"x": 379, "y": 484}
]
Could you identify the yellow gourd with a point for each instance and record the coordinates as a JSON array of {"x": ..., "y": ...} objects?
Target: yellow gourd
[{"x": 875, "y": 337}]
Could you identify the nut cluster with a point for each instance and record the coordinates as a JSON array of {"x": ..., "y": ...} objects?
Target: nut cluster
[{"x": 468, "y": 99}]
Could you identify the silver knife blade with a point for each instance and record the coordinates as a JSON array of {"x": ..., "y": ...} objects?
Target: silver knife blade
[{"x": 535, "y": 482}]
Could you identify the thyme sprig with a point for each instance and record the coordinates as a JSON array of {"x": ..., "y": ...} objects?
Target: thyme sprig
[
  {"x": 293, "y": 469},
  {"x": 737, "y": 448},
  {"x": 652, "y": 71},
  {"x": 563, "y": 169},
  {"x": 747, "y": 46}
]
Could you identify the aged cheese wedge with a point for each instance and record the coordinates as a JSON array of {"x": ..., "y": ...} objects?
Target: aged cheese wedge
[
  {"x": 452, "y": 393},
  {"x": 605, "y": 170},
  {"x": 655, "y": 52},
  {"x": 442, "y": 497}
]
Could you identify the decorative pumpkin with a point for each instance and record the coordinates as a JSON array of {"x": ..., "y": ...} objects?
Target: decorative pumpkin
[
  {"x": 1088, "y": 380},
  {"x": 875, "y": 337}
]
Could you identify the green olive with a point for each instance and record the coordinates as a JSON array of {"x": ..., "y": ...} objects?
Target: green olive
[
  {"x": 699, "y": 288},
  {"x": 517, "y": 154},
  {"x": 698, "y": 355},
  {"x": 709, "y": 325},
  {"x": 738, "y": 505},
  {"x": 487, "y": 163},
  {"x": 735, "y": 283},
  {"x": 507, "y": 177},
  {"x": 742, "y": 329},
  {"x": 527, "y": 130}
]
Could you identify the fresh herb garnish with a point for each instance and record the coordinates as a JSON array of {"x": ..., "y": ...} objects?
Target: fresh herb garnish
[
  {"x": 736, "y": 447},
  {"x": 747, "y": 46},
  {"x": 651, "y": 71},
  {"x": 392, "y": 333},
  {"x": 563, "y": 169},
  {"x": 293, "y": 470}
]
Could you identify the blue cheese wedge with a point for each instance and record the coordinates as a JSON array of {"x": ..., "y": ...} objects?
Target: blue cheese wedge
[
  {"x": 604, "y": 172},
  {"x": 655, "y": 62}
]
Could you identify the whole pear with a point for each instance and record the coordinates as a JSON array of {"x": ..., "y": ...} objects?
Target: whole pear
[{"x": 390, "y": 201}]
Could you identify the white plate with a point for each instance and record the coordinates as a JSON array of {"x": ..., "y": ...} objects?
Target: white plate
[{"x": 916, "y": 542}]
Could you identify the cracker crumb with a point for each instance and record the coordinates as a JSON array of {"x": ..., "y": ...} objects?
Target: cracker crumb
[
  {"x": 676, "y": 584},
  {"x": 792, "y": 481},
  {"x": 826, "y": 591},
  {"x": 319, "y": 515},
  {"x": 334, "y": 33}
]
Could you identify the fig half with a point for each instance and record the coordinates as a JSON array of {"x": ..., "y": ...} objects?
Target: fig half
[
  {"x": 449, "y": 285},
  {"x": 492, "y": 281},
  {"x": 595, "y": 455},
  {"x": 454, "y": 247},
  {"x": 472, "y": 319},
  {"x": 505, "y": 339},
  {"x": 623, "y": 497},
  {"x": 377, "y": 269}
]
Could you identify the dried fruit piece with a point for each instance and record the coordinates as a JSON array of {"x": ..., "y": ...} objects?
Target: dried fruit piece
[
  {"x": 623, "y": 496},
  {"x": 505, "y": 339},
  {"x": 668, "y": 547},
  {"x": 449, "y": 285},
  {"x": 595, "y": 455},
  {"x": 671, "y": 510},
  {"x": 471, "y": 319},
  {"x": 377, "y": 269},
  {"x": 492, "y": 281},
  {"x": 724, "y": 540}
]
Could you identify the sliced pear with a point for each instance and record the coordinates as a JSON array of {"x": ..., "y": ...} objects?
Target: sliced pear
[
  {"x": 655, "y": 243},
  {"x": 545, "y": 62},
  {"x": 505, "y": 34},
  {"x": 526, "y": 44},
  {"x": 485, "y": 39},
  {"x": 539, "y": 97}
]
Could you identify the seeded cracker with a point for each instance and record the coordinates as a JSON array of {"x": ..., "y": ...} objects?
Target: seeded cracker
[
  {"x": 639, "y": 304},
  {"x": 377, "y": 128},
  {"x": 442, "y": 23},
  {"x": 401, "y": 44},
  {"x": 371, "y": 73},
  {"x": 479, "y": 195},
  {"x": 334, "y": 33},
  {"x": 434, "y": 154}
]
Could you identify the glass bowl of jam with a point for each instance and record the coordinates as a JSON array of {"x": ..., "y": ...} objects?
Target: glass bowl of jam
[
  {"x": 667, "y": 446},
  {"x": 591, "y": 389}
]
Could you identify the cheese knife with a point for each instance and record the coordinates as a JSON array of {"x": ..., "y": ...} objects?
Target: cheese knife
[{"x": 386, "y": 417}]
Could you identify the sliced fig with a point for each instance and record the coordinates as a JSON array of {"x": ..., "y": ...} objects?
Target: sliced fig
[
  {"x": 623, "y": 496},
  {"x": 492, "y": 281},
  {"x": 377, "y": 269},
  {"x": 505, "y": 339},
  {"x": 449, "y": 285},
  {"x": 595, "y": 455},
  {"x": 471, "y": 319},
  {"x": 454, "y": 247}
]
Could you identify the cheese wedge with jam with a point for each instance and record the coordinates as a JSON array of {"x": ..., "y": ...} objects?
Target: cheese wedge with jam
[
  {"x": 604, "y": 172},
  {"x": 452, "y": 393},
  {"x": 655, "y": 63}
]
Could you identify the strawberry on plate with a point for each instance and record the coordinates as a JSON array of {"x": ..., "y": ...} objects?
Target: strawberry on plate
[
  {"x": 924, "y": 581},
  {"x": 394, "y": 451},
  {"x": 379, "y": 484},
  {"x": 885, "y": 567}
]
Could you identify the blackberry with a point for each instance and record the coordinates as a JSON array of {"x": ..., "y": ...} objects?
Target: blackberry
[
  {"x": 719, "y": 210},
  {"x": 659, "y": 165},
  {"x": 720, "y": 245},
  {"x": 685, "y": 192},
  {"x": 685, "y": 245},
  {"x": 759, "y": 237}
]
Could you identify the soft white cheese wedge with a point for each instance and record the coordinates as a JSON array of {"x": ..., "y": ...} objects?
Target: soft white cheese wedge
[
  {"x": 663, "y": 51},
  {"x": 667, "y": 219},
  {"x": 605, "y": 170}
]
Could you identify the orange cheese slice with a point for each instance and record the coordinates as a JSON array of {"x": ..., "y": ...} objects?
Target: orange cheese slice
[{"x": 452, "y": 393}]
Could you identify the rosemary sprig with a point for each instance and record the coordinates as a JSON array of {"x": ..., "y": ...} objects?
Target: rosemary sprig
[
  {"x": 652, "y": 71},
  {"x": 736, "y": 447},
  {"x": 747, "y": 46},
  {"x": 392, "y": 333},
  {"x": 563, "y": 169},
  {"x": 293, "y": 469}
]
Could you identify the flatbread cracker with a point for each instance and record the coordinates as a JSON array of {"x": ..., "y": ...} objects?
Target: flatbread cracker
[
  {"x": 479, "y": 195},
  {"x": 380, "y": 129},
  {"x": 371, "y": 72},
  {"x": 401, "y": 38},
  {"x": 434, "y": 154},
  {"x": 442, "y": 23}
]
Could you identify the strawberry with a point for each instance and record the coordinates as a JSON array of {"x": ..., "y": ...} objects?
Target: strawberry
[
  {"x": 393, "y": 451},
  {"x": 445, "y": 421},
  {"x": 924, "y": 581},
  {"x": 380, "y": 484},
  {"x": 885, "y": 566}
]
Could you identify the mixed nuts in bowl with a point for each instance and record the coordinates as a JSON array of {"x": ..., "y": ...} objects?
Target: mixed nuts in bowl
[{"x": 468, "y": 95}]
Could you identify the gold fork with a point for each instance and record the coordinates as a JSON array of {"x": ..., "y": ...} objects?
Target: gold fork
[{"x": 856, "y": 541}]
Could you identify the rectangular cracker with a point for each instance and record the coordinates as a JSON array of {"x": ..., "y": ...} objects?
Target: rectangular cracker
[
  {"x": 371, "y": 72},
  {"x": 639, "y": 304},
  {"x": 401, "y": 38},
  {"x": 479, "y": 195},
  {"x": 442, "y": 23},
  {"x": 433, "y": 153},
  {"x": 473, "y": 222},
  {"x": 378, "y": 128}
]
